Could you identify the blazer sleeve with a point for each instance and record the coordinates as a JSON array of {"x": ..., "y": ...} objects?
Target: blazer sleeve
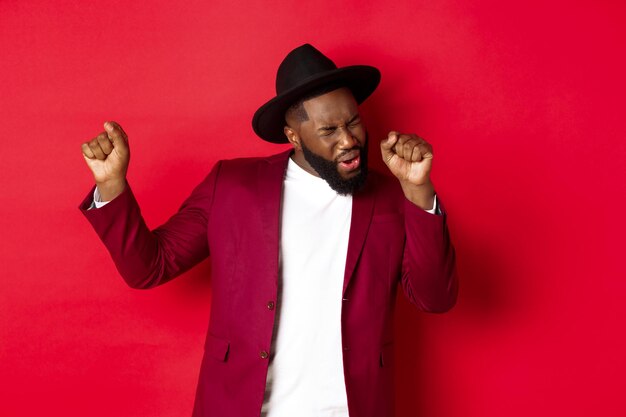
[
  {"x": 146, "y": 258},
  {"x": 429, "y": 276}
]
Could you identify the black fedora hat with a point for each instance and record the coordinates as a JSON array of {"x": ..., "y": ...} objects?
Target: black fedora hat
[{"x": 303, "y": 70}]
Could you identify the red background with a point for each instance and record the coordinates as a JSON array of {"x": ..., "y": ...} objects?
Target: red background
[{"x": 522, "y": 101}]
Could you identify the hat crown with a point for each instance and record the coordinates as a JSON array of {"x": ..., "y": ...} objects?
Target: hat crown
[
  {"x": 299, "y": 65},
  {"x": 304, "y": 70}
]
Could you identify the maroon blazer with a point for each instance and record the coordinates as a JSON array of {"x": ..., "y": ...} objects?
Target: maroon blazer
[{"x": 234, "y": 216}]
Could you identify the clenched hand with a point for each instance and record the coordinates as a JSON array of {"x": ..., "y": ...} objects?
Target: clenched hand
[
  {"x": 108, "y": 155},
  {"x": 409, "y": 158}
]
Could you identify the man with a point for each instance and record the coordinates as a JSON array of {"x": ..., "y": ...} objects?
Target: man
[{"x": 307, "y": 249}]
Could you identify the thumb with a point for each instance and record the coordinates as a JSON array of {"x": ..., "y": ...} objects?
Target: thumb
[
  {"x": 386, "y": 145},
  {"x": 116, "y": 136}
]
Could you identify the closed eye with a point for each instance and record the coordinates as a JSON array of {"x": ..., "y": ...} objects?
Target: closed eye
[
  {"x": 327, "y": 131},
  {"x": 356, "y": 120}
]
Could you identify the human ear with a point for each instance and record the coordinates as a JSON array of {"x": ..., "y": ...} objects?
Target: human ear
[{"x": 293, "y": 137}]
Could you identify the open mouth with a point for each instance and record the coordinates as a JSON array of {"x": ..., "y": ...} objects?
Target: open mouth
[{"x": 350, "y": 161}]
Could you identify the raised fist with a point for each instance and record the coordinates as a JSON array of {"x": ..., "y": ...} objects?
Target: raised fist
[
  {"x": 107, "y": 155},
  {"x": 410, "y": 159}
]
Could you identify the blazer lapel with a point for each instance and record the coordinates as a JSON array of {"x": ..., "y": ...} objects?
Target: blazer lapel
[
  {"x": 269, "y": 191},
  {"x": 362, "y": 209}
]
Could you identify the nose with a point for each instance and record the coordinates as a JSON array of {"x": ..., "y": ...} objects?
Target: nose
[{"x": 347, "y": 140}]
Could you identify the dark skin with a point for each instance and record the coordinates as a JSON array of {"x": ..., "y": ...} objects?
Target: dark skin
[
  {"x": 108, "y": 155},
  {"x": 335, "y": 127},
  {"x": 333, "y": 130}
]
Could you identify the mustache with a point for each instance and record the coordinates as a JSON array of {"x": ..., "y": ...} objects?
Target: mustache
[
  {"x": 347, "y": 151},
  {"x": 354, "y": 148}
]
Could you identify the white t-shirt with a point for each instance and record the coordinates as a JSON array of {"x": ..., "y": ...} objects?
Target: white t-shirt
[{"x": 305, "y": 376}]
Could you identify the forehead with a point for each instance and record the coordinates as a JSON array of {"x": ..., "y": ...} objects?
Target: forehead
[{"x": 334, "y": 106}]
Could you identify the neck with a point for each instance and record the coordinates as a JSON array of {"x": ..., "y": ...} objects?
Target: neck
[{"x": 298, "y": 157}]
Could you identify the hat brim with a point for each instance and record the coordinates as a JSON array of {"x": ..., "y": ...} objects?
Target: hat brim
[{"x": 269, "y": 120}]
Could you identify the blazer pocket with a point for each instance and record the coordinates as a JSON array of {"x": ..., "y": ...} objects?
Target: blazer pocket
[
  {"x": 217, "y": 347},
  {"x": 386, "y": 355}
]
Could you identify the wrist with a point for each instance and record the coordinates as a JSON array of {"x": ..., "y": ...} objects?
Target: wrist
[
  {"x": 110, "y": 189},
  {"x": 422, "y": 195}
]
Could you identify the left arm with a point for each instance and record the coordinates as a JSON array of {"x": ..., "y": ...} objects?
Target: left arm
[{"x": 429, "y": 276}]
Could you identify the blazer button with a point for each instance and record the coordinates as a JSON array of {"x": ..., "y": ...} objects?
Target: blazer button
[
  {"x": 270, "y": 305},
  {"x": 263, "y": 354}
]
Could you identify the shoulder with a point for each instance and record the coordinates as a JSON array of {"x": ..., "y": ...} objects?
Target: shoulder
[
  {"x": 249, "y": 176},
  {"x": 244, "y": 167},
  {"x": 256, "y": 161},
  {"x": 383, "y": 185},
  {"x": 386, "y": 192}
]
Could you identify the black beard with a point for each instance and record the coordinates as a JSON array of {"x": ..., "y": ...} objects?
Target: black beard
[{"x": 328, "y": 170}]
